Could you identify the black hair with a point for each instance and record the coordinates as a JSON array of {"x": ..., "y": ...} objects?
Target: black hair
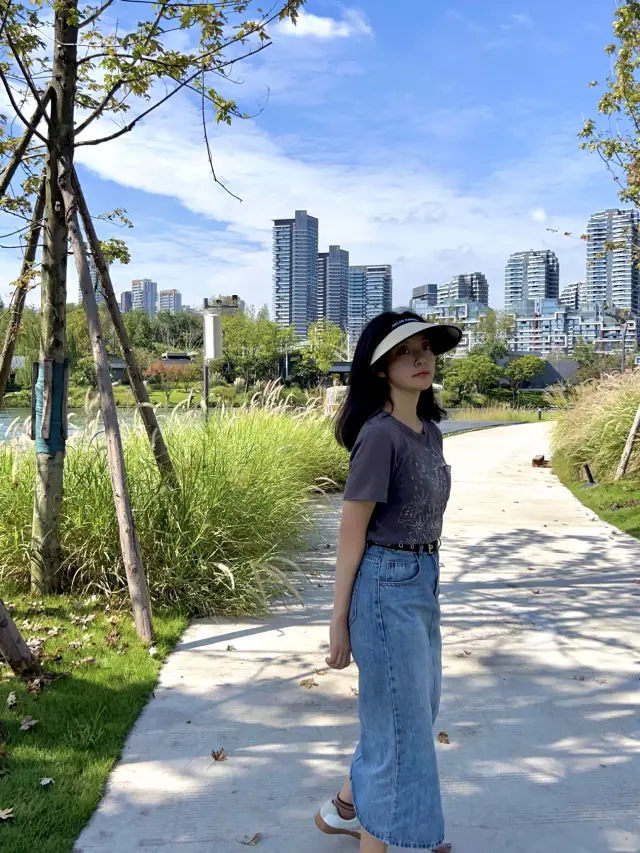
[{"x": 368, "y": 392}]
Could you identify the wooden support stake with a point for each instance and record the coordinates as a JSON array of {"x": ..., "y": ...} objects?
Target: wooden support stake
[
  {"x": 147, "y": 412},
  {"x": 14, "y": 649},
  {"x": 129, "y": 545},
  {"x": 628, "y": 448}
]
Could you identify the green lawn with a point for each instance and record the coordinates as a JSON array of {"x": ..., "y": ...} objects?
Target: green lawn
[
  {"x": 83, "y": 718},
  {"x": 498, "y": 413},
  {"x": 617, "y": 503}
]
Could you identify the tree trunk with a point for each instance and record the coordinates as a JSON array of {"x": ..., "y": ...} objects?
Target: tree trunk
[
  {"x": 22, "y": 288},
  {"x": 51, "y": 436},
  {"x": 128, "y": 539},
  {"x": 147, "y": 412},
  {"x": 14, "y": 649},
  {"x": 628, "y": 448}
]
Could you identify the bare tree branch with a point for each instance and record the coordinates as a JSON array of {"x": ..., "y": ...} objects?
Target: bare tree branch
[
  {"x": 21, "y": 147},
  {"x": 206, "y": 142},
  {"x": 169, "y": 95},
  {"x": 17, "y": 109},
  {"x": 95, "y": 15}
]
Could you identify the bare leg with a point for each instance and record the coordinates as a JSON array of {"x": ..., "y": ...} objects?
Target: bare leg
[
  {"x": 345, "y": 791},
  {"x": 369, "y": 844}
]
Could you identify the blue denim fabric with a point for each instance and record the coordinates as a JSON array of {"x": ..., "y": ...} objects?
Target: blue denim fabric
[{"x": 394, "y": 622}]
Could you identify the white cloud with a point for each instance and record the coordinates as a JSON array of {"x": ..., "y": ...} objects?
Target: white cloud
[
  {"x": 393, "y": 209},
  {"x": 538, "y": 214},
  {"x": 307, "y": 25},
  {"x": 523, "y": 19}
]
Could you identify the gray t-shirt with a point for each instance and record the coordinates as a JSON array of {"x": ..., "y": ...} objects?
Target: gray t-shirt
[{"x": 406, "y": 475}]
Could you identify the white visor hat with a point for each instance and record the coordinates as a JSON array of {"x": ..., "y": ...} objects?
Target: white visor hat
[{"x": 442, "y": 338}]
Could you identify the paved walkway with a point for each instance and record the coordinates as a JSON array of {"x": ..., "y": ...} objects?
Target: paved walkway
[{"x": 541, "y": 694}]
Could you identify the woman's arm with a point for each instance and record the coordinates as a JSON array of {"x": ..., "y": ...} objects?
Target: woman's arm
[{"x": 352, "y": 542}]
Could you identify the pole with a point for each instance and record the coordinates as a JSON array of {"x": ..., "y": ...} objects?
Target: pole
[
  {"x": 624, "y": 342},
  {"x": 129, "y": 544},
  {"x": 205, "y": 366},
  {"x": 628, "y": 448}
]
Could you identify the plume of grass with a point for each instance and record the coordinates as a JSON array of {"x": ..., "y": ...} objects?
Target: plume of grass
[{"x": 594, "y": 427}]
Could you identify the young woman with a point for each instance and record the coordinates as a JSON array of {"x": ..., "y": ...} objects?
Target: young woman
[{"x": 386, "y": 608}]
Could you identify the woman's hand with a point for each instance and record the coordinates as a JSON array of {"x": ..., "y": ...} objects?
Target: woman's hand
[{"x": 339, "y": 644}]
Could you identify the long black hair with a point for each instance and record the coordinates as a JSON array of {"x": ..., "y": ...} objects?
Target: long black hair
[{"x": 368, "y": 392}]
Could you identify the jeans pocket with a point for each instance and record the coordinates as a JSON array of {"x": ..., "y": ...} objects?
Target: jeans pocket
[
  {"x": 400, "y": 572},
  {"x": 353, "y": 606}
]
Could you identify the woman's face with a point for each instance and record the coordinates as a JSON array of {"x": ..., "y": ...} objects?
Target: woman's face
[{"x": 412, "y": 364}]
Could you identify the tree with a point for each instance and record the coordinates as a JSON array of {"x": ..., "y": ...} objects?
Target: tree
[
  {"x": 522, "y": 370},
  {"x": 124, "y": 74},
  {"x": 325, "y": 343},
  {"x": 253, "y": 346},
  {"x": 617, "y": 139},
  {"x": 168, "y": 377},
  {"x": 473, "y": 373},
  {"x": 493, "y": 331}
]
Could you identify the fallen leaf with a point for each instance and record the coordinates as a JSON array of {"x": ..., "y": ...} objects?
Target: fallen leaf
[
  {"x": 251, "y": 842},
  {"x": 153, "y": 651},
  {"x": 11, "y": 700},
  {"x": 112, "y": 638},
  {"x": 443, "y": 737},
  {"x": 601, "y": 680},
  {"x": 6, "y": 814},
  {"x": 578, "y": 677},
  {"x": 353, "y": 691},
  {"x": 34, "y": 686},
  {"x": 536, "y": 592},
  {"x": 308, "y": 683},
  {"x": 321, "y": 671},
  {"x": 75, "y": 644},
  {"x": 231, "y": 648},
  {"x": 218, "y": 754},
  {"x": 47, "y": 781},
  {"x": 27, "y": 723},
  {"x": 84, "y": 661},
  {"x": 4, "y": 752},
  {"x": 53, "y": 632}
]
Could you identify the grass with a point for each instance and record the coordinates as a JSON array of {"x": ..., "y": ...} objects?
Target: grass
[
  {"x": 498, "y": 413},
  {"x": 83, "y": 718},
  {"x": 616, "y": 503},
  {"x": 219, "y": 544}
]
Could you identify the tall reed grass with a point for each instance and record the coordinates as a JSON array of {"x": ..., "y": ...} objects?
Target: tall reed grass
[
  {"x": 220, "y": 543},
  {"x": 594, "y": 427}
]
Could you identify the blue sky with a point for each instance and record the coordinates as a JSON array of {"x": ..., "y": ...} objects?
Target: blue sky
[{"x": 438, "y": 138}]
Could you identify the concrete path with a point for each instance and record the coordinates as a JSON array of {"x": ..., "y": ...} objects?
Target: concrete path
[{"x": 541, "y": 694}]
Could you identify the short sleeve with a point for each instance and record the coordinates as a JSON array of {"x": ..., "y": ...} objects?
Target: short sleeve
[{"x": 371, "y": 467}]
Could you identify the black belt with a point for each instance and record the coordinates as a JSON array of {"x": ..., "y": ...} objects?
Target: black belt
[{"x": 429, "y": 548}]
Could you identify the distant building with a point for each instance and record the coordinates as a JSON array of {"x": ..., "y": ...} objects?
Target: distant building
[
  {"x": 544, "y": 326},
  {"x": 574, "y": 295},
  {"x": 170, "y": 301},
  {"x": 613, "y": 277},
  {"x": 95, "y": 280},
  {"x": 145, "y": 295},
  {"x": 126, "y": 301},
  {"x": 295, "y": 271},
  {"x": 531, "y": 275},
  {"x": 423, "y": 298},
  {"x": 467, "y": 316},
  {"x": 227, "y": 305},
  {"x": 333, "y": 286},
  {"x": 370, "y": 293},
  {"x": 468, "y": 287}
]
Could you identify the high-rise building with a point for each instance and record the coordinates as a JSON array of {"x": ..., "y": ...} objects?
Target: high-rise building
[
  {"x": 333, "y": 286},
  {"x": 573, "y": 295},
  {"x": 170, "y": 301},
  {"x": 95, "y": 280},
  {"x": 467, "y": 316},
  {"x": 468, "y": 287},
  {"x": 227, "y": 305},
  {"x": 613, "y": 277},
  {"x": 126, "y": 301},
  {"x": 295, "y": 271},
  {"x": 423, "y": 298},
  {"x": 370, "y": 293},
  {"x": 543, "y": 326},
  {"x": 145, "y": 295},
  {"x": 531, "y": 275}
]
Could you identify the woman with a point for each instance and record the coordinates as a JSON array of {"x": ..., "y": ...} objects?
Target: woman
[{"x": 386, "y": 596}]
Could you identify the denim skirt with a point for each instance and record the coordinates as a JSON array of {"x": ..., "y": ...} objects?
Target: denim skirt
[{"x": 394, "y": 622}]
